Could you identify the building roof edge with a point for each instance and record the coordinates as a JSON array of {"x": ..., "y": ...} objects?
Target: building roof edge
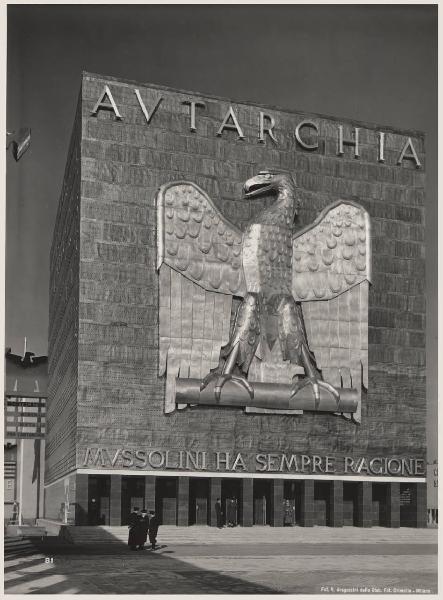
[{"x": 304, "y": 113}]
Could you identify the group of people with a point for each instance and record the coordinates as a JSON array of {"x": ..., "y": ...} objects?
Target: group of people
[{"x": 141, "y": 525}]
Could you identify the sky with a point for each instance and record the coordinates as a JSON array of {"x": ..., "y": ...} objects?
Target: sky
[{"x": 371, "y": 63}]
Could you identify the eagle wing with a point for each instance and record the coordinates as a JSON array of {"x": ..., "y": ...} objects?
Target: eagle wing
[
  {"x": 331, "y": 276},
  {"x": 37, "y": 360},
  {"x": 200, "y": 269},
  {"x": 15, "y": 358}
]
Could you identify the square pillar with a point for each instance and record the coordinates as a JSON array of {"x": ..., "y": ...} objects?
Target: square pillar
[
  {"x": 150, "y": 492},
  {"x": 115, "y": 508},
  {"x": 81, "y": 499},
  {"x": 277, "y": 503},
  {"x": 247, "y": 499},
  {"x": 393, "y": 505},
  {"x": 420, "y": 505},
  {"x": 214, "y": 493},
  {"x": 307, "y": 503},
  {"x": 336, "y": 504},
  {"x": 183, "y": 502},
  {"x": 364, "y": 504}
]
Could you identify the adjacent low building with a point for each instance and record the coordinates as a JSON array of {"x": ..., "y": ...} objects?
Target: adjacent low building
[
  {"x": 114, "y": 440},
  {"x": 26, "y": 389}
]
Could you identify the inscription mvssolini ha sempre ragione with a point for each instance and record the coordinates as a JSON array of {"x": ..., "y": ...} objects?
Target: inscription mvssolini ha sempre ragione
[{"x": 280, "y": 462}]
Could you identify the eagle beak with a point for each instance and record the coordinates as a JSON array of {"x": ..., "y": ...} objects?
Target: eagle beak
[{"x": 257, "y": 186}]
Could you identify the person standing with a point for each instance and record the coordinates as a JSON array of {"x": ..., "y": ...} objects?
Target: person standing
[
  {"x": 235, "y": 511},
  {"x": 218, "y": 513},
  {"x": 142, "y": 529},
  {"x": 133, "y": 519},
  {"x": 231, "y": 516},
  {"x": 153, "y": 528},
  {"x": 288, "y": 509}
]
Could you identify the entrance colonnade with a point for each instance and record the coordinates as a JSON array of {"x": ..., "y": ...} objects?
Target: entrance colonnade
[{"x": 247, "y": 501}]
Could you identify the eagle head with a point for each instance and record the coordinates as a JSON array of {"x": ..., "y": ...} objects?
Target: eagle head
[
  {"x": 270, "y": 181},
  {"x": 273, "y": 181}
]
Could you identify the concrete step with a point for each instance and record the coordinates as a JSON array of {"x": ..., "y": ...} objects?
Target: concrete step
[
  {"x": 16, "y": 543},
  {"x": 25, "y": 531},
  {"x": 209, "y": 535},
  {"x": 52, "y": 527}
]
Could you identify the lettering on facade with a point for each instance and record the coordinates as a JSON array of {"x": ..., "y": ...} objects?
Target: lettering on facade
[
  {"x": 198, "y": 460},
  {"x": 385, "y": 466},
  {"x": 306, "y": 133}
]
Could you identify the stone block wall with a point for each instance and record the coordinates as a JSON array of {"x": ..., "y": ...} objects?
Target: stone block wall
[
  {"x": 61, "y": 412},
  {"x": 124, "y": 161}
]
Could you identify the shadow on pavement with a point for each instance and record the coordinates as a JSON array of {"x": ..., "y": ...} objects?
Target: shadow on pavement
[{"x": 115, "y": 570}]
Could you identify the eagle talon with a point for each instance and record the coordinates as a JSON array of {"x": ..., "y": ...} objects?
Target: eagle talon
[
  {"x": 221, "y": 379},
  {"x": 209, "y": 377},
  {"x": 332, "y": 390},
  {"x": 316, "y": 385}
]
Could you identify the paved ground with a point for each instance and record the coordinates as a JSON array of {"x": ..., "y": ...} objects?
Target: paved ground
[{"x": 352, "y": 560}]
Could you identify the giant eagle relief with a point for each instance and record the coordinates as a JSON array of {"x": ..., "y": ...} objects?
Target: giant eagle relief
[{"x": 299, "y": 337}]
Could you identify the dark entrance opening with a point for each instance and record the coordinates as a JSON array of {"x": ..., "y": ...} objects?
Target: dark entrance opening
[
  {"x": 322, "y": 503},
  {"x": 133, "y": 494},
  {"x": 166, "y": 500},
  {"x": 231, "y": 499},
  {"x": 350, "y": 503},
  {"x": 408, "y": 503},
  {"x": 99, "y": 488},
  {"x": 198, "y": 501},
  {"x": 380, "y": 504},
  {"x": 292, "y": 494},
  {"x": 262, "y": 501}
]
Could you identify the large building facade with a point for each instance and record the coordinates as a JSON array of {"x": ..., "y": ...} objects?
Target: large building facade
[{"x": 112, "y": 439}]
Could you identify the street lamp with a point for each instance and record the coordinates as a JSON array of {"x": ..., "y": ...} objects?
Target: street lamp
[{"x": 20, "y": 142}]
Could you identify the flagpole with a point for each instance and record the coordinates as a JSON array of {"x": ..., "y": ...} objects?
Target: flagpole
[
  {"x": 38, "y": 445},
  {"x": 20, "y": 496}
]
